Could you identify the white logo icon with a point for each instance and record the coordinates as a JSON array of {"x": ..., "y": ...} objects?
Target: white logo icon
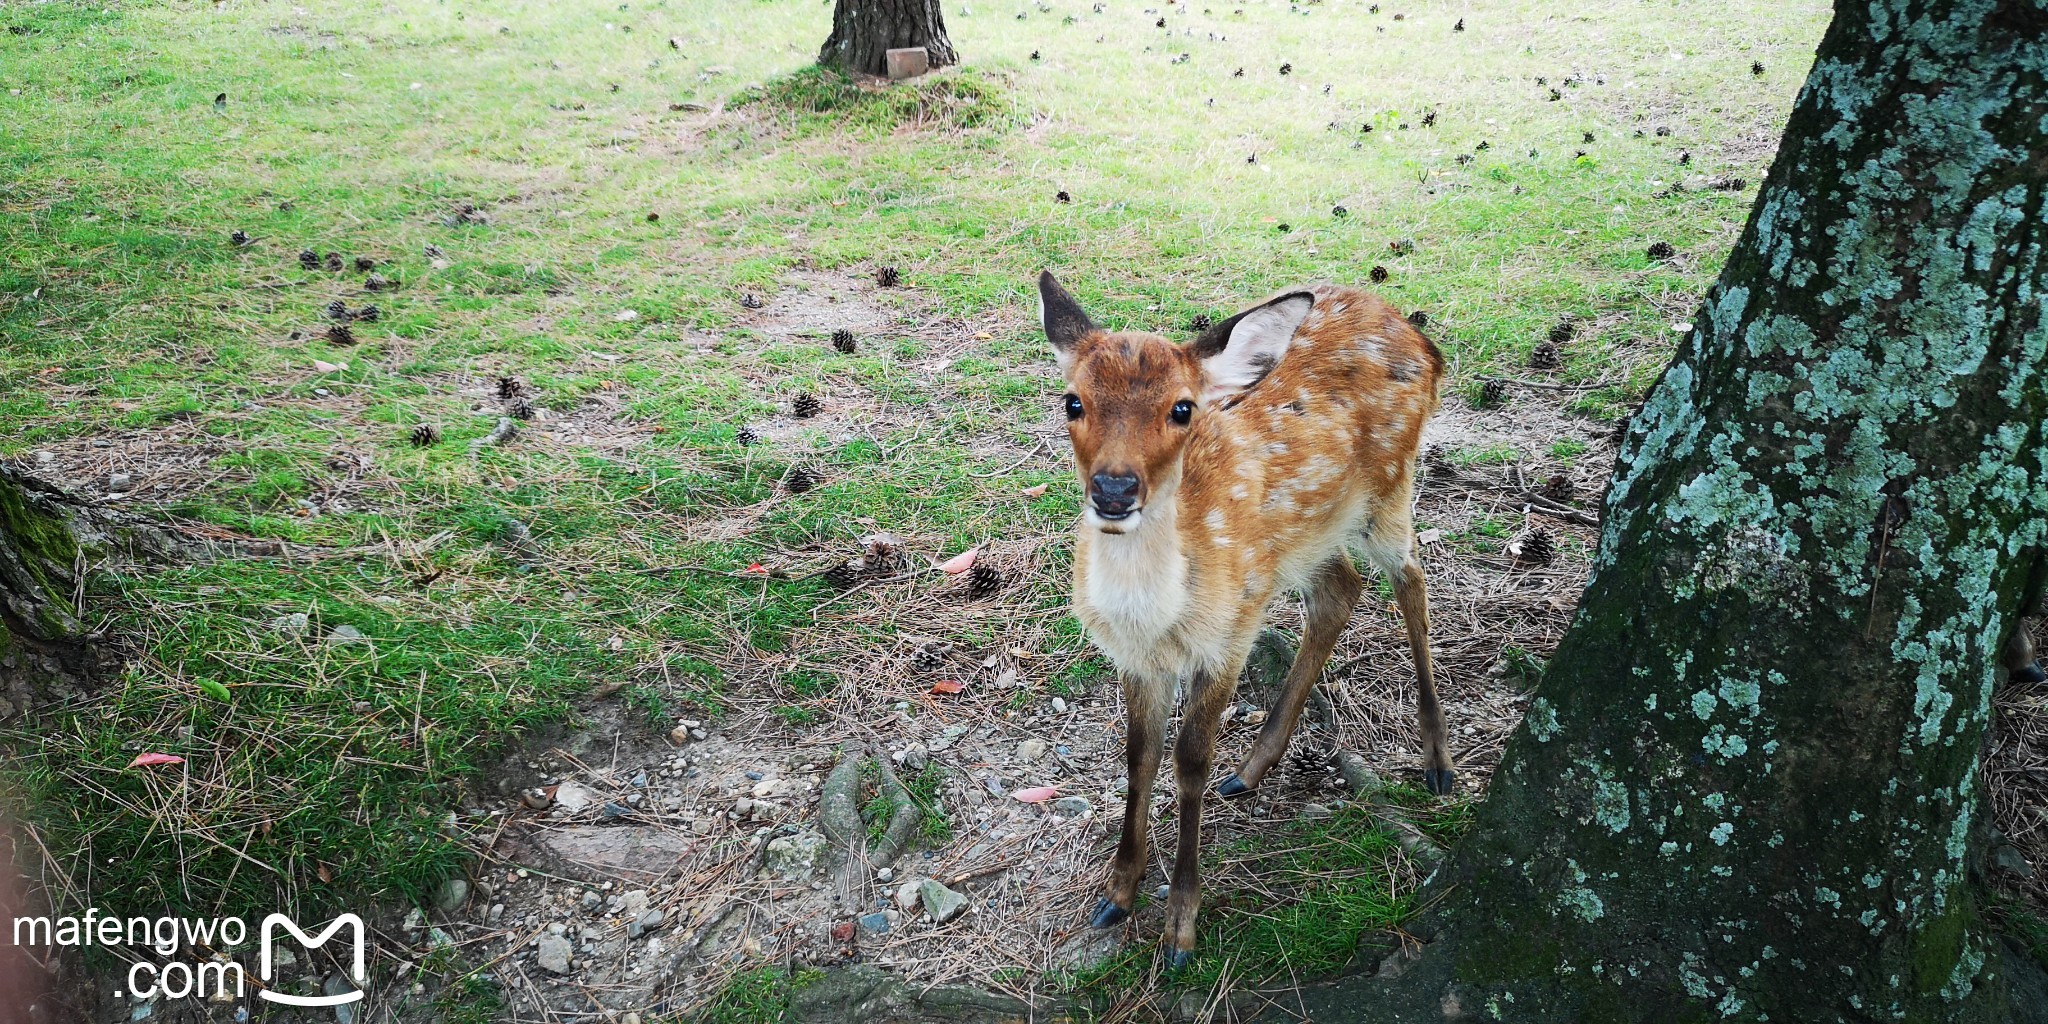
[{"x": 357, "y": 973}]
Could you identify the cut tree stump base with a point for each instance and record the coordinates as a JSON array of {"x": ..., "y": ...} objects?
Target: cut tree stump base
[{"x": 908, "y": 62}]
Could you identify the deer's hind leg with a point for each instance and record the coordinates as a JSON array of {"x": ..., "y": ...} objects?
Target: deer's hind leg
[
  {"x": 1329, "y": 607},
  {"x": 1390, "y": 545}
]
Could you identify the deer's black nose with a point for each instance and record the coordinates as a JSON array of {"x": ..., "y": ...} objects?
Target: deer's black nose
[{"x": 1114, "y": 494}]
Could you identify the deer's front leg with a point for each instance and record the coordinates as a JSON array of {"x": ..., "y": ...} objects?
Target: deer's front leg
[
  {"x": 1146, "y": 703},
  {"x": 1193, "y": 754}
]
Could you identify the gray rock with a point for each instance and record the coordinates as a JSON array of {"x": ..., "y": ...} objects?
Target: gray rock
[
  {"x": 915, "y": 757},
  {"x": 452, "y": 895},
  {"x": 2008, "y": 858},
  {"x": 1072, "y": 807},
  {"x": 794, "y": 857},
  {"x": 947, "y": 737},
  {"x": 345, "y": 633},
  {"x": 590, "y": 900},
  {"x": 885, "y": 875},
  {"x": 1031, "y": 750},
  {"x": 415, "y": 920},
  {"x": 497, "y": 913},
  {"x": 120, "y": 482},
  {"x": 635, "y": 902},
  {"x": 554, "y": 951},
  {"x": 907, "y": 898},
  {"x": 294, "y": 624},
  {"x": 1087, "y": 947},
  {"x": 575, "y": 797},
  {"x": 594, "y": 852},
  {"x": 643, "y": 924},
  {"x": 875, "y": 923},
  {"x": 1312, "y": 812},
  {"x": 941, "y": 903}
]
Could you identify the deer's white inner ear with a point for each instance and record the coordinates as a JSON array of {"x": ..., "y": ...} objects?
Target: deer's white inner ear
[{"x": 1257, "y": 342}]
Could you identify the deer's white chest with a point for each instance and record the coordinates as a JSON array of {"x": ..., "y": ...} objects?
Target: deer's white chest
[{"x": 1135, "y": 600}]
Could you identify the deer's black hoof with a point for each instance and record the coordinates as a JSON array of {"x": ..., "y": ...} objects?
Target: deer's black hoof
[
  {"x": 1232, "y": 787},
  {"x": 1107, "y": 914},
  {"x": 1439, "y": 780},
  {"x": 2030, "y": 674},
  {"x": 1177, "y": 959}
]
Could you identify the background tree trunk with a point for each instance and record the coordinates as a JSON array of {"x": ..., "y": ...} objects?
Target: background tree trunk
[
  {"x": 49, "y": 541},
  {"x": 864, "y": 30},
  {"x": 1747, "y": 787}
]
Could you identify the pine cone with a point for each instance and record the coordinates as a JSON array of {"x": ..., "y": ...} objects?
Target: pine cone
[
  {"x": 1493, "y": 392},
  {"x": 341, "y": 334},
  {"x": 510, "y": 387},
  {"x": 1401, "y": 246},
  {"x": 240, "y": 238},
  {"x": 376, "y": 283},
  {"x": 930, "y": 657},
  {"x": 1557, "y": 488},
  {"x": 883, "y": 555},
  {"x": 1339, "y": 212},
  {"x": 1534, "y": 547},
  {"x": 1200, "y": 323},
  {"x": 1062, "y": 197},
  {"x": 309, "y": 259},
  {"x": 1310, "y": 757},
  {"x": 843, "y": 576},
  {"x": 1459, "y": 27},
  {"x": 364, "y": 264},
  {"x": 333, "y": 261},
  {"x": 1756, "y": 68},
  {"x": 1545, "y": 357},
  {"x": 799, "y": 480},
  {"x": 1378, "y": 275},
  {"x": 369, "y": 314},
  {"x": 1437, "y": 459},
  {"x": 1419, "y": 318},
  {"x": 887, "y": 277},
  {"x": 432, "y": 251},
  {"x": 1563, "y": 330},
  {"x": 806, "y": 406},
  {"x": 425, "y": 435},
  {"x": 983, "y": 581},
  {"x": 1620, "y": 432},
  {"x": 1661, "y": 251},
  {"x": 842, "y": 339},
  {"x": 519, "y": 408},
  {"x": 337, "y": 310},
  {"x": 1287, "y": 69},
  {"x": 745, "y": 437},
  {"x": 750, "y": 300}
]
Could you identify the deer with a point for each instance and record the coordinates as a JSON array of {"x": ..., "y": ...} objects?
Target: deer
[{"x": 1218, "y": 475}]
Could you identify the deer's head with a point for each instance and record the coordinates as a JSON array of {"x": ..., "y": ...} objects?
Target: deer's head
[{"x": 1134, "y": 399}]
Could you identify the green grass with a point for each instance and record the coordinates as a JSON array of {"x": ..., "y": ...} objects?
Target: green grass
[
  {"x": 758, "y": 996},
  {"x": 329, "y": 773},
  {"x": 1331, "y": 877}
]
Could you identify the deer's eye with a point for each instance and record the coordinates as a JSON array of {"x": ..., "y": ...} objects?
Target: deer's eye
[
  {"x": 1074, "y": 407},
  {"x": 1183, "y": 411}
]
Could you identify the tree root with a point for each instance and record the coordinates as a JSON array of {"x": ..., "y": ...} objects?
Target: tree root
[{"x": 1370, "y": 790}]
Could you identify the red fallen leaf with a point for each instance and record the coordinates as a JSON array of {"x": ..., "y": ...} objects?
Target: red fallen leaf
[
  {"x": 149, "y": 759},
  {"x": 948, "y": 686},
  {"x": 758, "y": 569},
  {"x": 1035, "y": 794},
  {"x": 1034, "y": 490},
  {"x": 325, "y": 875},
  {"x": 961, "y": 562}
]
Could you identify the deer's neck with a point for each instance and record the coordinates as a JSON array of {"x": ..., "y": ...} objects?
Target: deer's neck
[{"x": 1135, "y": 583}]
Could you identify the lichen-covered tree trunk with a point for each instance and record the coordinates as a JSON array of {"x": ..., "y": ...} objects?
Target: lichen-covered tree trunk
[
  {"x": 1747, "y": 787},
  {"x": 50, "y": 540},
  {"x": 863, "y": 31}
]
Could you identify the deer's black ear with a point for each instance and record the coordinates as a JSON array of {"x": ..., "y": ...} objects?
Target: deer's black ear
[
  {"x": 1239, "y": 352},
  {"x": 1065, "y": 324}
]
